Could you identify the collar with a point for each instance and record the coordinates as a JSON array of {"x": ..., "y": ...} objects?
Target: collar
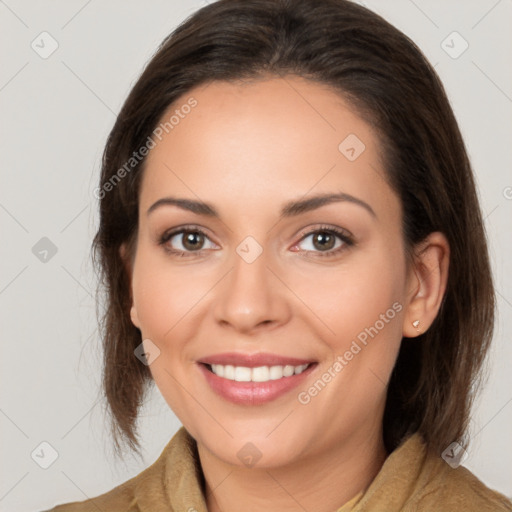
[{"x": 175, "y": 481}]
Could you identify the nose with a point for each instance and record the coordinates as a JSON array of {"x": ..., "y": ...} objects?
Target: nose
[{"x": 251, "y": 297}]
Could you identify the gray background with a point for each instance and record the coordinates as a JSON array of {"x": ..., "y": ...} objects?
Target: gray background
[{"x": 56, "y": 113}]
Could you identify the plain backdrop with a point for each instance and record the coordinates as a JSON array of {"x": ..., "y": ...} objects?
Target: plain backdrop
[{"x": 56, "y": 112}]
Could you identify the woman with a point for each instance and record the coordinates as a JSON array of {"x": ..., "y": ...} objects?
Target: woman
[{"x": 293, "y": 251}]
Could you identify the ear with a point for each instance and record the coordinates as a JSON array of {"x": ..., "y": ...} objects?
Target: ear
[
  {"x": 426, "y": 284},
  {"x": 128, "y": 264}
]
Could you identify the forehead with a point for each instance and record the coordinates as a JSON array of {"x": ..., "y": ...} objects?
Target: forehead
[{"x": 263, "y": 140}]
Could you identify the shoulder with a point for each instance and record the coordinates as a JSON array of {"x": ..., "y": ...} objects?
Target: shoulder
[
  {"x": 441, "y": 487},
  {"x": 119, "y": 499},
  {"x": 454, "y": 489},
  {"x": 413, "y": 480},
  {"x": 146, "y": 491}
]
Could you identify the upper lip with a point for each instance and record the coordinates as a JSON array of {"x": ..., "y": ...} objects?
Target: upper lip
[{"x": 253, "y": 360}]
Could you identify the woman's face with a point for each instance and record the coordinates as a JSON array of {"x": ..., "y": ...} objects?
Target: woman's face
[{"x": 273, "y": 281}]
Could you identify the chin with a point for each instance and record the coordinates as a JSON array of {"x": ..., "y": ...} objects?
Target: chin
[{"x": 254, "y": 449}]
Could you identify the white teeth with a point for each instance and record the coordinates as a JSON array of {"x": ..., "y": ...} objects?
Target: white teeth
[
  {"x": 301, "y": 368},
  {"x": 218, "y": 369},
  {"x": 229, "y": 372},
  {"x": 242, "y": 374},
  {"x": 288, "y": 371},
  {"x": 258, "y": 374},
  {"x": 276, "y": 372}
]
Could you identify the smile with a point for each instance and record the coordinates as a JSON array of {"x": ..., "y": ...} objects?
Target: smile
[
  {"x": 258, "y": 374},
  {"x": 254, "y": 379}
]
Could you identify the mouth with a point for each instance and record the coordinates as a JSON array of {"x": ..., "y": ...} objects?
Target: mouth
[{"x": 254, "y": 379}]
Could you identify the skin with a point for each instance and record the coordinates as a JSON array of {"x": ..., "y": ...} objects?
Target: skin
[{"x": 248, "y": 148}]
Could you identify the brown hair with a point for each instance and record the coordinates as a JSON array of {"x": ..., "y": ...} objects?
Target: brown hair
[{"x": 390, "y": 84}]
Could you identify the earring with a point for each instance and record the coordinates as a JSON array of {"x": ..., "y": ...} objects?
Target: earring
[{"x": 416, "y": 324}]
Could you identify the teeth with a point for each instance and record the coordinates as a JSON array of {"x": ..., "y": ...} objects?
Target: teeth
[
  {"x": 229, "y": 372},
  {"x": 288, "y": 371},
  {"x": 218, "y": 369},
  {"x": 242, "y": 374},
  {"x": 258, "y": 374},
  {"x": 276, "y": 372}
]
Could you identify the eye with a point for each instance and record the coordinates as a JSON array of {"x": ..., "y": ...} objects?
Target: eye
[
  {"x": 190, "y": 241},
  {"x": 326, "y": 241},
  {"x": 185, "y": 240}
]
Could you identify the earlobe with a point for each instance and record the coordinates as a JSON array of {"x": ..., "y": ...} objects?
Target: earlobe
[
  {"x": 134, "y": 316},
  {"x": 426, "y": 284},
  {"x": 123, "y": 252}
]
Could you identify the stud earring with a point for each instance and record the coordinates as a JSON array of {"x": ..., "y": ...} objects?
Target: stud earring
[{"x": 416, "y": 324}]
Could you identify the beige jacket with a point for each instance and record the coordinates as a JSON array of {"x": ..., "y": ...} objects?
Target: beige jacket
[{"x": 409, "y": 481}]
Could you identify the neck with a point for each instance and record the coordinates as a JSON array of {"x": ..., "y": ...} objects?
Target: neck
[{"x": 322, "y": 483}]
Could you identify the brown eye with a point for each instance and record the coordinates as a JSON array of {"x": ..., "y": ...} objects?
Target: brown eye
[
  {"x": 186, "y": 241},
  {"x": 323, "y": 240},
  {"x": 192, "y": 240}
]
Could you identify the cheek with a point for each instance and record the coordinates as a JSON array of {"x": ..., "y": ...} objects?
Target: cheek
[
  {"x": 362, "y": 306},
  {"x": 166, "y": 300},
  {"x": 350, "y": 297},
  {"x": 163, "y": 295},
  {"x": 372, "y": 321}
]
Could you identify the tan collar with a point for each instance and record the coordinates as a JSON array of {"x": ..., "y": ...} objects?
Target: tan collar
[
  {"x": 174, "y": 481},
  {"x": 407, "y": 479},
  {"x": 179, "y": 467}
]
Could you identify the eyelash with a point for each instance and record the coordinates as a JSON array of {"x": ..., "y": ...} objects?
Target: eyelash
[{"x": 345, "y": 237}]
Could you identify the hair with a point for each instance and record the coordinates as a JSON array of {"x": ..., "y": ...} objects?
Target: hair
[{"x": 390, "y": 84}]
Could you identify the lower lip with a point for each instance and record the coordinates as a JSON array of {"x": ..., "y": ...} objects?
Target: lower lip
[{"x": 253, "y": 393}]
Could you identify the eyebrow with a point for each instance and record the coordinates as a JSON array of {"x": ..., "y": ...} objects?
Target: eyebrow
[{"x": 290, "y": 209}]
